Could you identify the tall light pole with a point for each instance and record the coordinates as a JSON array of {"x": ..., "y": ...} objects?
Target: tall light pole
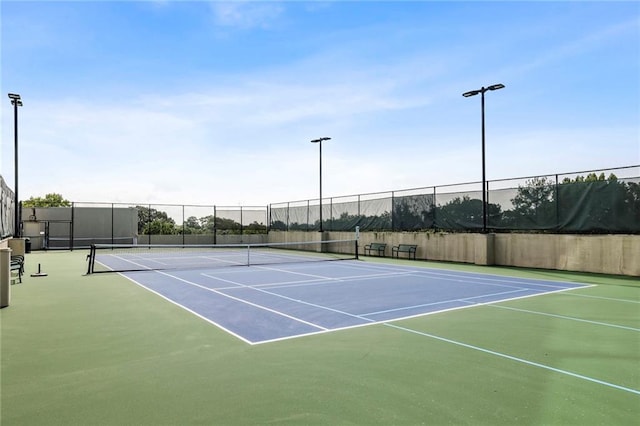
[
  {"x": 482, "y": 91},
  {"x": 16, "y": 101},
  {"x": 319, "y": 142}
]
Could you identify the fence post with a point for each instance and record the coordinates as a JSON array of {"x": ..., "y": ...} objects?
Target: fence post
[
  {"x": 435, "y": 209},
  {"x": 557, "y": 198},
  {"x": 330, "y": 214},
  {"x": 267, "y": 218},
  {"x": 73, "y": 207},
  {"x": 392, "y": 212},
  {"x": 488, "y": 223},
  {"x": 215, "y": 225},
  {"x": 149, "y": 223},
  {"x": 112, "y": 223}
]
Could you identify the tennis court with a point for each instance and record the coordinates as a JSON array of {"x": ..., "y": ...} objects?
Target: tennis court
[
  {"x": 341, "y": 342},
  {"x": 266, "y": 303}
]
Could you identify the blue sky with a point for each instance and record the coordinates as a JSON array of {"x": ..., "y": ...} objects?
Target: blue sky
[{"x": 216, "y": 102}]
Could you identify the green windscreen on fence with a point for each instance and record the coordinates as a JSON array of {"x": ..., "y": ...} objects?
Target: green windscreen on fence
[
  {"x": 581, "y": 202},
  {"x": 558, "y": 203}
]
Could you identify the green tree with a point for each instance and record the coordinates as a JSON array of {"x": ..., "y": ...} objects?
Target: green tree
[
  {"x": 153, "y": 222},
  {"x": 192, "y": 226},
  {"x": 49, "y": 200},
  {"x": 255, "y": 228},
  {"x": 534, "y": 206},
  {"x": 227, "y": 226},
  {"x": 413, "y": 213},
  {"x": 465, "y": 214},
  {"x": 212, "y": 224},
  {"x": 278, "y": 225},
  {"x": 207, "y": 224}
]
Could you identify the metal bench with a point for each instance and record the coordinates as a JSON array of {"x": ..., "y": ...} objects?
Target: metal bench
[
  {"x": 378, "y": 248},
  {"x": 17, "y": 265},
  {"x": 410, "y": 249}
]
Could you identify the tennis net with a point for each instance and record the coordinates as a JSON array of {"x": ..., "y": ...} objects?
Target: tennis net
[{"x": 143, "y": 257}]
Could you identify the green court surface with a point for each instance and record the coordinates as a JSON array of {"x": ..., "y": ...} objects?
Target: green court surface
[{"x": 101, "y": 350}]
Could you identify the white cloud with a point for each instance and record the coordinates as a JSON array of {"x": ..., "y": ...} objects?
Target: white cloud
[{"x": 246, "y": 14}]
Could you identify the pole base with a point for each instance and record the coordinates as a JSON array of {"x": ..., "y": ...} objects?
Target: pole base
[{"x": 39, "y": 273}]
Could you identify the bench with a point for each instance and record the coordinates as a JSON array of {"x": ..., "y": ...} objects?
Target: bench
[
  {"x": 410, "y": 249},
  {"x": 17, "y": 265},
  {"x": 375, "y": 247}
]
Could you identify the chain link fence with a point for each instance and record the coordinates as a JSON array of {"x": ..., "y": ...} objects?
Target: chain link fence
[
  {"x": 83, "y": 224},
  {"x": 595, "y": 201}
]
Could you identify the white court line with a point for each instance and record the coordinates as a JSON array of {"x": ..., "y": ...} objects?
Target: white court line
[
  {"x": 242, "y": 300},
  {"x": 466, "y": 277},
  {"x": 297, "y": 301},
  {"x": 513, "y": 358},
  {"x": 613, "y": 299},
  {"x": 345, "y": 278},
  {"x": 419, "y": 315},
  {"x": 317, "y": 279},
  {"x": 465, "y": 300},
  {"x": 333, "y": 280},
  {"x": 566, "y": 317},
  {"x": 146, "y": 267},
  {"x": 492, "y": 280},
  {"x": 210, "y": 321},
  {"x": 272, "y": 285},
  {"x": 469, "y": 274}
]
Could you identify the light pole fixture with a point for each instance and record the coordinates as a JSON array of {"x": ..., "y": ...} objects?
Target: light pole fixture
[
  {"x": 16, "y": 101},
  {"x": 482, "y": 91},
  {"x": 319, "y": 142}
]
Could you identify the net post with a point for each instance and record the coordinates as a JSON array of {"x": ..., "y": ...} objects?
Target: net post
[{"x": 91, "y": 257}]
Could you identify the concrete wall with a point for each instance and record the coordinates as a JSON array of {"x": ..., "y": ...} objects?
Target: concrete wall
[
  {"x": 606, "y": 254},
  {"x": 8, "y": 247},
  {"x": 17, "y": 246}
]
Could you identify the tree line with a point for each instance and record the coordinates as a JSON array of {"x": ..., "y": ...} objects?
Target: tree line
[{"x": 156, "y": 222}]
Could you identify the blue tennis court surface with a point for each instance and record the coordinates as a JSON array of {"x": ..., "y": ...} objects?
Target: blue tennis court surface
[{"x": 261, "y": 304}]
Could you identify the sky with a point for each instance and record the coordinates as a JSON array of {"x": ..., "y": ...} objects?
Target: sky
[{"x": 215, "y": 103}]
